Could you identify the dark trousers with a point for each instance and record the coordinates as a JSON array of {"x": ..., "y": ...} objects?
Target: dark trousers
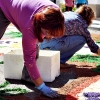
[
  {"x": 80, "y": 4},
  {"x": 54, "y": 1},
  {"x": 68, "y": 8},
  {"x": 4, "y": 22}
]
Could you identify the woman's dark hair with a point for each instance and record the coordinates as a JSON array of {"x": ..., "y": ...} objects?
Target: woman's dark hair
[
  {"x": 50, "y": 19},
  {"x": 87, "y": 13}
]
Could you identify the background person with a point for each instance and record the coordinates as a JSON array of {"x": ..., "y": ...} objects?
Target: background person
[
  {"x": 35, "y": 19},
  {"x": 76, "y": 34},
  {"x": 69, "y": 5},
  {"x": 81, "y": 2}
]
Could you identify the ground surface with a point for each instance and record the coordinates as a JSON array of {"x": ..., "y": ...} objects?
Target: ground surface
[{"x": 80, "y": 71}]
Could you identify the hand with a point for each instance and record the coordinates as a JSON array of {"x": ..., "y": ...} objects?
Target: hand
[
  {"x": 99, "y": 51},
  {"x": 47, "y": 91}
]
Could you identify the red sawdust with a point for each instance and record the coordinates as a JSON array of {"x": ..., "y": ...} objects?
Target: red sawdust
[{"x": 73, "y": 93}]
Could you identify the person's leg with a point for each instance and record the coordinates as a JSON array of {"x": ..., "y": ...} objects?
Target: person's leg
[
  {"x": 70, "y": 8},
  {"x": 4, "y": 22},
  {"x": 52, "y": 44},
  {"x": 75, "y": 44},
  {"x": 67, "y": 46},
  {"x": 66, "y": 8},
  {"x": 66, "y": 56}
]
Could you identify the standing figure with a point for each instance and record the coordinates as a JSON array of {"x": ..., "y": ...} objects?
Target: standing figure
[
  {"x": 69, "y": 5},
  {"x": 35, "y": 19}
]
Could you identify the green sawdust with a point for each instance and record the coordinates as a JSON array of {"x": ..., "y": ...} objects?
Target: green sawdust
[
  {"x": 86, "y": 58},
  {"x": 13, "y": 91},
  {"x": 97, "y": 69},
  {"x": 4, "y": 84},
  {"x": 3, "y": 46},
  {"x": 1, "y": 62},
  {"x": 89, "y": 59},
  {"x": 98, "y": 42},
  {"x": 14, "y": 34},
  {"x": 4, "y": 90}
]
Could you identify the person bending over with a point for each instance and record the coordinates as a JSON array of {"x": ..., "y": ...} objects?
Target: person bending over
[
  {"x": 76, "y": 34},
  {"x": 35, "y": 19}
]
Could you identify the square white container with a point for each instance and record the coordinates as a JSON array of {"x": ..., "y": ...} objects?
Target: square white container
[{"x": 48, "y": 64}]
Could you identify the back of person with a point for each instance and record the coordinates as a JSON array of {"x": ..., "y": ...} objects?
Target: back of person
[
  {"x": 69, "y": 3},
  {"x": 73, "y": 23},
  {"x": 16, "y": 13}
]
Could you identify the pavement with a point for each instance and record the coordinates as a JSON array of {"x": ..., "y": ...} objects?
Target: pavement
[
  {"x": 95, "y": 26},
  {"x": 15, "y": 43}
]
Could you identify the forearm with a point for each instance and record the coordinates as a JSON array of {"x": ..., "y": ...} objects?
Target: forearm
[{"x": 38, "y": 81}]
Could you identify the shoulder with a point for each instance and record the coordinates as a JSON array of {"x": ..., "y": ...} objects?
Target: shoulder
[{"x": 70, "y": 14}]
